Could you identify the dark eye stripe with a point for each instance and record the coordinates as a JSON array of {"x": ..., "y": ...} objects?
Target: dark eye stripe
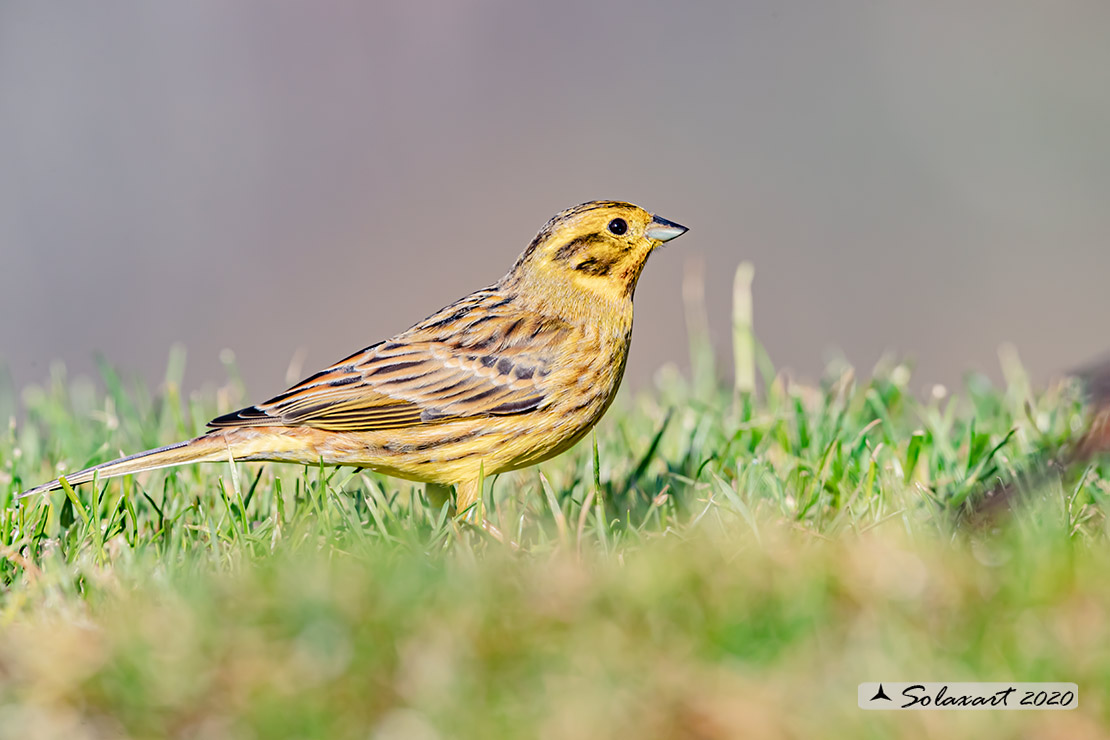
[
  {"x": 572, "y": 247},
  {"x": 592, "y": 266}
]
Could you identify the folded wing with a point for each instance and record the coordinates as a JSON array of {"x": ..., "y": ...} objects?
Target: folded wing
[{"x": 466, "y": 361}]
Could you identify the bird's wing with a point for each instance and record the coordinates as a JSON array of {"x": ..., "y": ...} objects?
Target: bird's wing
[{"x": 467, "y": 360}]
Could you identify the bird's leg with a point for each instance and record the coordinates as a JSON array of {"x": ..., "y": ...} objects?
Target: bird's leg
[
  {"x": 438, "y": 494},
  {"x": 468, "y": 501},
  {"x": 466, "y": 495}
]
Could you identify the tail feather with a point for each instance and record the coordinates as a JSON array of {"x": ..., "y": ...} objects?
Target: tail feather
[{"x": 207, "y": 448}]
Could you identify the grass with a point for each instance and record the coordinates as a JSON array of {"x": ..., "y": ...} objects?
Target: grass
[{"x": 711, "y": 564}]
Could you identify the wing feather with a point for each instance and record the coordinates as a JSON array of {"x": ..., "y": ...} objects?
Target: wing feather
[{"x": 478, "y": 357}]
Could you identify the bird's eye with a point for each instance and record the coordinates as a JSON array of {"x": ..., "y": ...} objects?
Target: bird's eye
[{"x": 618, "y": 226}]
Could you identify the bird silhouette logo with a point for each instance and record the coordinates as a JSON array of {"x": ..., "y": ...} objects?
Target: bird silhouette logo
[{"x": 880, "y": 694}]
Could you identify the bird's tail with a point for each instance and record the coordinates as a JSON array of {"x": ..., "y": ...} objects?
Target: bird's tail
[{"x": 213, "y": 447}]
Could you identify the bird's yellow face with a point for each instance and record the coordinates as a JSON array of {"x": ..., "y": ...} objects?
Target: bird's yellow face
[{"x": 600, "y": 247}]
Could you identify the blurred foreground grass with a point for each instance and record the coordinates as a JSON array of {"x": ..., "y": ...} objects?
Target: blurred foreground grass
[{"x": 708, "y": 565}]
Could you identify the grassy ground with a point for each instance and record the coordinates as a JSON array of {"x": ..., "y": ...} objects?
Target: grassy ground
[{"x": 707, "y": 565}]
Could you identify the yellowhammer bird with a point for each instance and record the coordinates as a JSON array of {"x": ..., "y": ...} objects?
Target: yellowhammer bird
[{"x": 506, "y": 377}]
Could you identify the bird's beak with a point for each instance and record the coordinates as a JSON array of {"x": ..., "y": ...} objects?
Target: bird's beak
[{"x": 662, "y": 230}]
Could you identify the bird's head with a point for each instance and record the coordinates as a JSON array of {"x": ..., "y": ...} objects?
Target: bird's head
[{"x": 598, "y": 247}]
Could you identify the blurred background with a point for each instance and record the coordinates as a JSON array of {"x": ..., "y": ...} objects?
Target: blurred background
[{"x": 276, "y": 178}]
